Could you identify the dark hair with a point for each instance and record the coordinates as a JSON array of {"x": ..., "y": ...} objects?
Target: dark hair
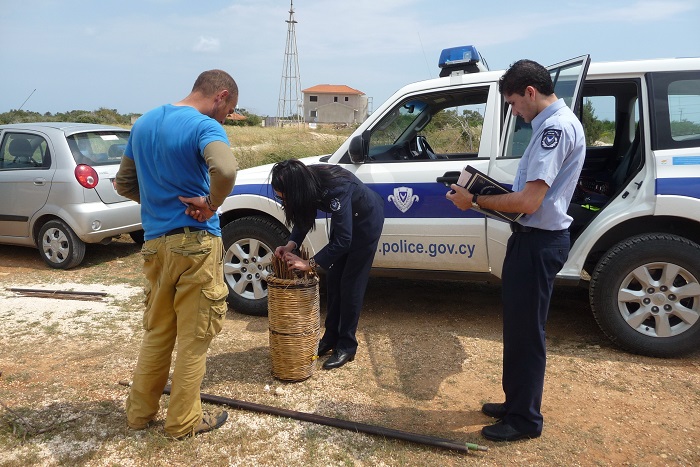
[
  {"x": 522, "y": 74},
  {"x": 303, "y": 187},
  {"x": 211, "y": 82}
]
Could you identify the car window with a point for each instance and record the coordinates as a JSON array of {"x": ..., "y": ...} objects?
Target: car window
[
  {"x": 434, "y": 126},
  {"x": 24, "y": 151},
  {"x": 598, "y": 118},
  {"x": 684, "y": 109},
  {"x": 676, "y": 107},
  {"x": 98, "y": 147}
]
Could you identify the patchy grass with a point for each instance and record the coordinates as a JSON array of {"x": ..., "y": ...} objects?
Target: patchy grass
[{"x": 255, "y": 146}]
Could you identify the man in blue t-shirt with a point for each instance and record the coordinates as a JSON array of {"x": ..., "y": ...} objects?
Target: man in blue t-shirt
[
  {"x": 539, "y": 246},
  {"x": 179, "y": 166}
]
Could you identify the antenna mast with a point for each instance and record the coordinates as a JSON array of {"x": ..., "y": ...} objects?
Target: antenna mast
[{"x": 290, "y": 109}]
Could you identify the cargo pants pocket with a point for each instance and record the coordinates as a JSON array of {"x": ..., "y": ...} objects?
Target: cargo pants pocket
[
  {"x": 151, "y": 269},
  {"x": 212, "y": 311}
]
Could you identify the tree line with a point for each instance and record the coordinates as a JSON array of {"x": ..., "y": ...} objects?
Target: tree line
[{"x": 101, "y": 116}]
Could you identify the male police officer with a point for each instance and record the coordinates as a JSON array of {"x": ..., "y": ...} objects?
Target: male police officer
[{"x": 539, "y": 246}]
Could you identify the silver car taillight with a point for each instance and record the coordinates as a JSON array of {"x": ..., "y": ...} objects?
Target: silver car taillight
[{"x": 86, "y": 176}]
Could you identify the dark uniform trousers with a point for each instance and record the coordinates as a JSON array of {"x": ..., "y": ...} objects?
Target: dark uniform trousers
[
  {"x": 346, "y": 281},
  {"x": 533, "y": 258}
]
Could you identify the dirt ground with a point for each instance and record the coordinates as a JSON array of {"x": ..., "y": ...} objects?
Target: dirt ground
[{"x": 429, "y": 356}]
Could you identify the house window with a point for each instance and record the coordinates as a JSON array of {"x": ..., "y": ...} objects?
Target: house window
[
  {"x": 335, "y": 99},
  {"x": 313, "y": 114},
  {"x": 313, "y": 98},
  {"x": 347, "y": 98}
]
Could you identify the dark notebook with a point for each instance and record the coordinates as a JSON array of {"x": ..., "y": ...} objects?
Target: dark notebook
[{"x": 481, "y": 184}]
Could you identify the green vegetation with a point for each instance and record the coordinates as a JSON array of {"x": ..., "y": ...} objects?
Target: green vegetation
[
  {"x": 596, "y": 130},
  {"x": 448, "y": 132},
  {"x": 102, "y": 115},
  {"x": 252, "y": 143}
]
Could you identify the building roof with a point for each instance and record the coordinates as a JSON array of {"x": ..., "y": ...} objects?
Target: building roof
[
  {"x": 332, "y": 89},
  {"x": 236, "y": 117}
]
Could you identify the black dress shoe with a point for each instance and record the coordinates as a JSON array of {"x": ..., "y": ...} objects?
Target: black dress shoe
[
  {"x": 494, "y": 409},
  {"x": 501, "y": 431},
  {"x": 338, "y": 359},
  {"x": 323, "y": 348}
]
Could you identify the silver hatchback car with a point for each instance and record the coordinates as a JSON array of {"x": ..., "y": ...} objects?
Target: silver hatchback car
[{"x": 57, "y": 192}]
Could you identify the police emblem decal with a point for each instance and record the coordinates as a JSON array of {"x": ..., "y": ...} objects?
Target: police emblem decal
[
  {"x": 403, "y": 198},
  {"x": 550, "y": 138},
  {"x": 335, "y": 204}
]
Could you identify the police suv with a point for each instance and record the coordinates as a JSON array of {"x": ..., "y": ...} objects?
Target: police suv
[{"x": 636, "y": 229}]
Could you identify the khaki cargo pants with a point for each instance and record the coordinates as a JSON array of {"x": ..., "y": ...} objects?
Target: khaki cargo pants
[{"x": 185, "y": 301}]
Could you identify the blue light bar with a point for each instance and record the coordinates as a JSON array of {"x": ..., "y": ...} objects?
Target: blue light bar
[{"x": 464, "y": 57}]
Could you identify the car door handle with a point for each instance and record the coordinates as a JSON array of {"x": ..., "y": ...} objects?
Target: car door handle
[
  {"x": 448, "y": 178},
  {"x": 40, "y": 181}
]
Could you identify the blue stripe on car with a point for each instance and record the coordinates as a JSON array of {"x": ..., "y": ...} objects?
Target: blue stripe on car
[
  {"x": 431, "y": 202},
  {"x": 688, "y": 186}
]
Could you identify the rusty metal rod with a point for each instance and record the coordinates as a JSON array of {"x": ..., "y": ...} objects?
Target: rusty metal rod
[
  {"x": 339, "y": 423},
  {"x": 64, "y": 292}
]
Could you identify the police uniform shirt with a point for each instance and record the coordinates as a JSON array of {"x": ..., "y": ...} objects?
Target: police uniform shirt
[
  {"x": 357, "y": 218},
  {"x": 555, "y": 155}
]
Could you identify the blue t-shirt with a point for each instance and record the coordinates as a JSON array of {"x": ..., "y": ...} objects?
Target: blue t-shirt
[
  {"x": 167, "y": 146},
  {"x": 555, "y": 155}
]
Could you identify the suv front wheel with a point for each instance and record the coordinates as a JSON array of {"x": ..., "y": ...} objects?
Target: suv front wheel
[
  {"x": 645, "y": 294},
  {"x": 249, "y": 245}
]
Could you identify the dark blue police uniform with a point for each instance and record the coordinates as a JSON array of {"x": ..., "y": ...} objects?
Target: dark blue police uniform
[{"x": 357, "y": 219}]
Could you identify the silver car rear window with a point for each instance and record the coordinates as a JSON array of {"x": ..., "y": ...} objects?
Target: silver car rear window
[{"x": 98, "y": 147}]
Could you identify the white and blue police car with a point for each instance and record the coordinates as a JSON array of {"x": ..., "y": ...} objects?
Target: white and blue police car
[{"x": 636, "y": 230}]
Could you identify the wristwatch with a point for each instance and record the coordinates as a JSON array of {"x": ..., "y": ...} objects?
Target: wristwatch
[
  {"x": 475, "y": 204},
  {"x": 312, "y": 264}
]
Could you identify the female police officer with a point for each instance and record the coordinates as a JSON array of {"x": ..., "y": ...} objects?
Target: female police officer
[{"x": 357, "y": 218}]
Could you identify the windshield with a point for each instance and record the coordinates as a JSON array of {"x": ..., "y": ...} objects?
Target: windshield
[{"x": 98, "y": 147}]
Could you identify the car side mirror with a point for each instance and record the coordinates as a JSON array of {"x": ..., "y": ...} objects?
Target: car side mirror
[{"x": 357, "y": 149}]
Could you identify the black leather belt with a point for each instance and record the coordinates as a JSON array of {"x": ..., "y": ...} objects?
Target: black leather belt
[
  {"x": 180, "y": 230},
  {"x": 515, "y": 227}
]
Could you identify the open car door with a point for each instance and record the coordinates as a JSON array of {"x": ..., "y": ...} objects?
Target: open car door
[{"x": 568, "y": 79}]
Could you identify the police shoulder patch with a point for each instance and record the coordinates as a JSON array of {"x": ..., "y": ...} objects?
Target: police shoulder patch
[
  {"x": 335, "y": 204},
  {"x": 550, "y": 138}
]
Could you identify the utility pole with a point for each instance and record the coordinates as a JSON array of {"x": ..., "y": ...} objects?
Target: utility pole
[{"x": 290, "y": 109}]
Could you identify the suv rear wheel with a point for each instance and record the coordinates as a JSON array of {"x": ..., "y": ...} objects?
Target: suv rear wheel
[
  {"x": 645, "y": 294},
  {"x": 60, "y": 247},
  {"x": 249, "y": 245}
]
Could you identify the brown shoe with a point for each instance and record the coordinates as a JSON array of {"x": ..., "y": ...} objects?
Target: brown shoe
[{"x": 209, "y": 422}]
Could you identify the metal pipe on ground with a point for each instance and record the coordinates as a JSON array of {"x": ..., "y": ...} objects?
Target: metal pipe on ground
[{"x": 339, "y": 423}]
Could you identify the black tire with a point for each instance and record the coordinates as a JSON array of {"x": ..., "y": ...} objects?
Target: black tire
[
  {"x": 137, "y": 236},
  {"x": 645, "y": 295},
  {"x": 59, "y": 246},
  {"x": 249, "y": 245}
]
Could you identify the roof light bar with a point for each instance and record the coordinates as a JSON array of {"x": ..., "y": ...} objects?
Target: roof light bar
[{"x": 465, "y": 58}]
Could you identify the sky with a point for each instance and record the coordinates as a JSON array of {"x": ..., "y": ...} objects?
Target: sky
[{"x": 133, "y": 55}]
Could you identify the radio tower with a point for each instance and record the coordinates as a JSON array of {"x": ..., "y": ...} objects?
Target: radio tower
[{"x": 290, "y": 109}]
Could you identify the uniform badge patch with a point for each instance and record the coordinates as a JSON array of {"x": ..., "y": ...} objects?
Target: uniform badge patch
[
  {"x": 550, "y": 138},
  {"x": 335, "y": 204}
]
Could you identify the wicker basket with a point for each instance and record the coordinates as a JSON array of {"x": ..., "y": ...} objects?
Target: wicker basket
[{"x": 295, "y": 326}]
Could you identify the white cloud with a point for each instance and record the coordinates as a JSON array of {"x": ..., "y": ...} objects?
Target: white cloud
[{"x": 207, "y": 44}]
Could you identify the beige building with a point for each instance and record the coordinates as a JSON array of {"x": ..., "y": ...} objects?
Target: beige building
[{"x": 334, "y": 103}]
